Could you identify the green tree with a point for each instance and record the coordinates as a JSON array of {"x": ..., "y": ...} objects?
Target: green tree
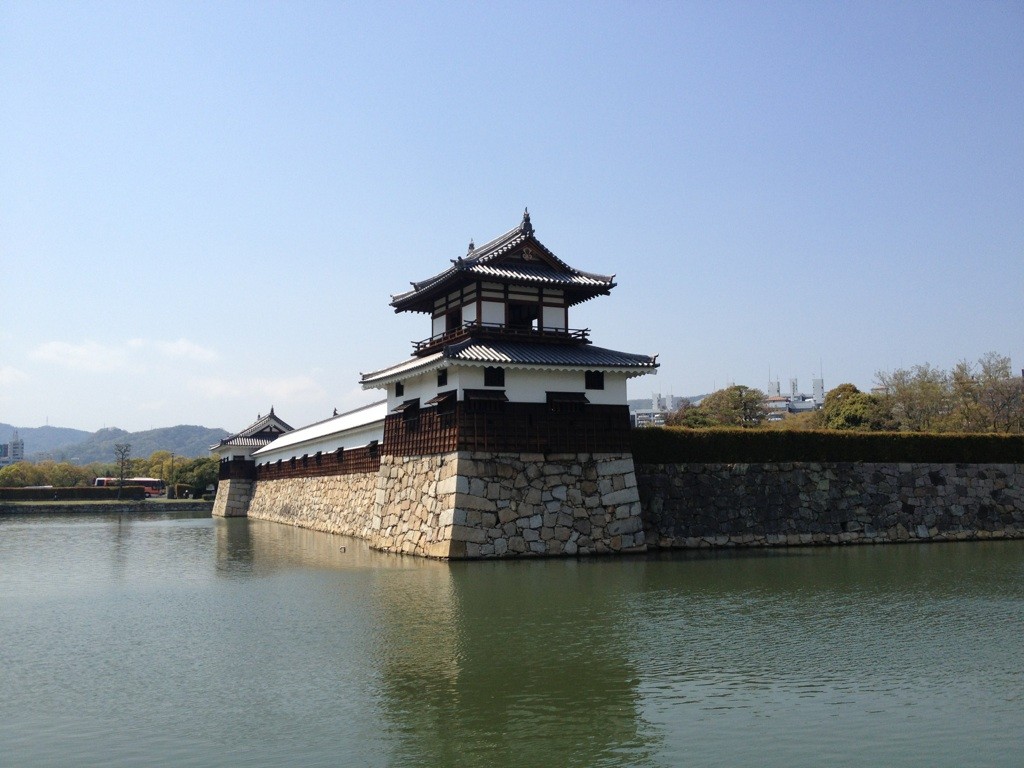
[
  {"x": 919, "y": 398},
  {"x": 846, "y": 407},
  {"x": 688, "y": 415},
  {"x": 971, "y": 398},
  {"x": 21, "y": 474},
  {"x": 1001, "y": 395},
  {"x": 199, "y": 473},
  {"x": 735, "y": 406}
]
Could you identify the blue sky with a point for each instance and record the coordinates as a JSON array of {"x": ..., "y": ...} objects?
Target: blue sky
[{"x": 205, "y": 207}]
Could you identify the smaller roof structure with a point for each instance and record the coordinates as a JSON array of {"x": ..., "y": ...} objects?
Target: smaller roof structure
[
  {"x": 516, "y": 257},
  {"x": 261, "y": 432},
  {"x": 359, "y": 425}
]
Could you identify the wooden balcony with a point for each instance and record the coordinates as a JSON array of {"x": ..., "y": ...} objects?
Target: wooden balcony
[{"x": 478, "y": 330}]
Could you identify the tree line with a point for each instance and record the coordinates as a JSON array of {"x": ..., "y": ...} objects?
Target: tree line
[
  {"x": 197, "y": 474},
  {"x": 982, "y": 397}
]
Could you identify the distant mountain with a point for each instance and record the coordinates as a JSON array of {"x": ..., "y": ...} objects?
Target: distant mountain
[
  {"x": 80, "y": 447},
  {"x": 42, "y": 439}
]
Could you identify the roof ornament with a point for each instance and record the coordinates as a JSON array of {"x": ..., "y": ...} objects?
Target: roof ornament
[
  {"x": 471, "y": 248},
  {"x": 526, "y": 227}
]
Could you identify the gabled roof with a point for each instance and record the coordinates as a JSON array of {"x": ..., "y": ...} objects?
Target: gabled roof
[
  {"x": 516, "y": 354},
  {"x": 515, "y": 257},
  {"x": 260, "y": 432}
]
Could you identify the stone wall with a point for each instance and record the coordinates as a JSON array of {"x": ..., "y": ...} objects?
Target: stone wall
[
  {"x": 233, "y": 497},
  {"x": 521, "y": 504},
  {"x": 471, "y": 504},
  {"x": 341, "y": 504},
  {"x": 414, "y": 506},
  {"x": 787, "y": 504}
]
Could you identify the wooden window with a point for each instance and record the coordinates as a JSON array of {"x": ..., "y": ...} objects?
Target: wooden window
[
  {"x": 594, "y": 379},
  {"x": 453, "y": 319},
  {"x": 566, "y": 402},
  {"x": 522, "y": 315},
  {"x": 399, "y": 389},
  {"x": 442, "y": 377},
  {"x": 494, "y": 376}
]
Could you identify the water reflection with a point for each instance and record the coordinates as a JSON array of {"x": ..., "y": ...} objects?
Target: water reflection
[
  {"x": 498, "y": 663},
  {"x": 477, "y": 663},
  {"x": 231, "y": 642}
]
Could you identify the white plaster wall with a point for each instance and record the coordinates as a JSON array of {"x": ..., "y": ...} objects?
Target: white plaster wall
[
  {"x": 492, "y": 312},
  {"x": 554, "y": 317},
  {"x": 532, "y": 386},
  {"x": 353, "y": 438},
  {"x": 522, "y": 386},
  {"x": 424, "y": 386},
  {"x": 528, "y": 386}
]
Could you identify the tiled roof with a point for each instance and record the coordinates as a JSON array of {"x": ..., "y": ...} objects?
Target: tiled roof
[
  {"x": 244, "y": 441},
  {"x": 360, "y": 417},
  {"x": 270, "y": 422},
  {"x": 260, "y": 432},
  {"x": 509, "y": 353},
  {"x": 584, "y": 355},
  {"x": 481, "y": 261}
]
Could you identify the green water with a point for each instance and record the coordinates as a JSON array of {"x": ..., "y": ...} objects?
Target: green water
[{"x": 142, "y": 641}]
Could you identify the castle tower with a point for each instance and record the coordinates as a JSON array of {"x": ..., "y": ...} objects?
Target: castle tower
[
  {"x": 505, "y": 434},
  {"x": 503, "y": 361},
  {"x": 534, "y": 414}
]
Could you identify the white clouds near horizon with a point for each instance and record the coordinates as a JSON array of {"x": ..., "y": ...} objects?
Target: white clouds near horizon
[{"x": 129, "y": 355}]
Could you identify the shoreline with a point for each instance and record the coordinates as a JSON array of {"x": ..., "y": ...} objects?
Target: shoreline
[{"x": 149, "y": 506}]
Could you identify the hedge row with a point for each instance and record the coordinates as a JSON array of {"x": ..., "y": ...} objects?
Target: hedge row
[
  {"x": 128, "y": 493},
  {"x": 670, "y": 445}
]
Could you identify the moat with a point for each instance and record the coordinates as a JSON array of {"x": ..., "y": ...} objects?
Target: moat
[{"x": 183, "y": 640}]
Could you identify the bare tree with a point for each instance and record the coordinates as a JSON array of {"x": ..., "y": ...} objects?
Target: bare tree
[{"x": 123, "y": 454}]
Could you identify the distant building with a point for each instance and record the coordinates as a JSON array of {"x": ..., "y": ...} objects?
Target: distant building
[
  {"x": 12, "y": 452},
  {"x": 656, "y": 415},
  {"x": 797, "y": 401}
]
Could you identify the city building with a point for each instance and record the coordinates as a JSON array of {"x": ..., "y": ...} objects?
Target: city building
[{"x": 12, "y": 452}]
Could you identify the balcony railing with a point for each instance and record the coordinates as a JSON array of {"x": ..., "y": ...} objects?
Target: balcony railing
[{"x": 478, "y": 329}]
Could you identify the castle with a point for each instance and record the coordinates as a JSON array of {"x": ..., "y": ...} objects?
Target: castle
[{"x": 505, "y": 434}]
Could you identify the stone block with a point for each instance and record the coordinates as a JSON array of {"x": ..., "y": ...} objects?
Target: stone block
[
  {"x": 615, "y": 467},
  {"x": 465, "y": 533},
  {"x": 629, "y": 525},
  {"x": 622, "y": 496}
]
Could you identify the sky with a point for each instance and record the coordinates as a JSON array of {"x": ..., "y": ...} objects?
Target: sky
[{"x": 206, "y": 207}]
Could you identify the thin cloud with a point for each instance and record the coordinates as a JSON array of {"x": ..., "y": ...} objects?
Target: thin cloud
[
  {"x": 88, "y": 356},
  {"x": 134, "y": 354},
  {"x": 11, "y": 375},
  {"x": 291, "y": 388},
  {"x": 182, "y": 348}
]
